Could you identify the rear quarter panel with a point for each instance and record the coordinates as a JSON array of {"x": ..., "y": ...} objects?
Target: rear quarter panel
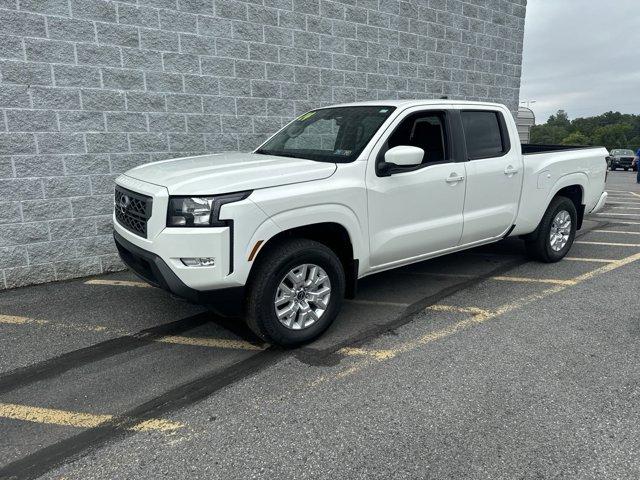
[{"x": 547, "y": 173}]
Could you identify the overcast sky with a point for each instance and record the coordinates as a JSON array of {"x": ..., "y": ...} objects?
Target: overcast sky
[{"x": 582, "y": 56}]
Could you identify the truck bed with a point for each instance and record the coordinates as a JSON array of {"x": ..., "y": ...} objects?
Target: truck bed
[
  {"x": 548, "y": 168},
  {"x": 531, "y": 149}
]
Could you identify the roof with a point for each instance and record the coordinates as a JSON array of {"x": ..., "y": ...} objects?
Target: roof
[{"x": 415, "y": 103}]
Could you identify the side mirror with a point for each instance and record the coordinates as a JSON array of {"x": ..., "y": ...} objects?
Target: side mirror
[{"x": 404, "y": 155}]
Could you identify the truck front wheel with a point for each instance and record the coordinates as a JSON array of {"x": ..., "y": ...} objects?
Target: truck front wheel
[
  {"x": 295, "y": 292},
  {"x": 555, "y": 234}
]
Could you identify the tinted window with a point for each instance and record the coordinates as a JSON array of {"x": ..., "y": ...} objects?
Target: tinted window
[
  {"x": 424, "y": 130},
  {"x": 483, "y": 134}
]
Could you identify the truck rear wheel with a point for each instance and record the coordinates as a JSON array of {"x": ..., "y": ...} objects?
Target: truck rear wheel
[
  {"x": 555, "y": 234},
  {"x": 295, "y": 292}
]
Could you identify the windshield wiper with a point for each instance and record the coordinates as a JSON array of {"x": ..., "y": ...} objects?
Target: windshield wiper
[{"x": 277, "y": 153}]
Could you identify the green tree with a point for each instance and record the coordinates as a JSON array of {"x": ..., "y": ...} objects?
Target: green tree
[
  {"x": 548, "y": 134},
  {"x": 576, "y": 138},
  {"x": 611, "y": 130},
  {"x": 560, "y": 119},
  {"x": 613, "y": 136}
]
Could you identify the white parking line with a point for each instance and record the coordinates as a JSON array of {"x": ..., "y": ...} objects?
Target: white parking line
[
  {"x": 609, "y": 244},
  {"x": 615, "y": 214},
  {"x": 594, "y": 260},
  {"x": 627, "y": 208},
  {"x": 615, "y": 231},
  {"x": 622, "y": 221}
]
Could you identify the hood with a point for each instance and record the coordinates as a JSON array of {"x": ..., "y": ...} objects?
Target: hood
[{"x": 229, "y": 172}]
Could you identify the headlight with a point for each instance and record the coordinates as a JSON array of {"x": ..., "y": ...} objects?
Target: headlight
[{"x": 200, "y": 211}]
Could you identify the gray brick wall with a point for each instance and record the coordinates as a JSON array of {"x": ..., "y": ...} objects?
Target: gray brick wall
[{"x": 91, "y": 88}]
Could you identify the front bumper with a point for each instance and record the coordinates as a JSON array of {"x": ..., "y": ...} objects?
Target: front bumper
[{"x": 153, "y": 270}]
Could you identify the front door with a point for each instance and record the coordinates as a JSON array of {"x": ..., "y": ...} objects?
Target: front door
[{"x": 415, "y": 210}]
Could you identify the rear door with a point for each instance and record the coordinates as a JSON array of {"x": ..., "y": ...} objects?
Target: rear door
[
  {"x": 494, "y": 174},
  {"x": 416, "y": 210}
]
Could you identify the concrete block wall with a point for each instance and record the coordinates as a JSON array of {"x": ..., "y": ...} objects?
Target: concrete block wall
[{"x": 91, "y": 88}]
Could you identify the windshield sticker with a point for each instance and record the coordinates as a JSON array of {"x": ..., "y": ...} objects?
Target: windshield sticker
[
  {"x": 306, "y": 116},
  {"x": 345, "y": 153},
  {"x": 384, "y": 110}
]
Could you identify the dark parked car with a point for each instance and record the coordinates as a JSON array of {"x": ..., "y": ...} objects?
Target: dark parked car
[{"x": 621, "y": 158}]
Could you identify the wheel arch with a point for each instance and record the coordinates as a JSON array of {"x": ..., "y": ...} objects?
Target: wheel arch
[
  {"x": 572, "y": 186},
  {"x": 334, "y": 235},
  {"x": 575, "y": 193}
]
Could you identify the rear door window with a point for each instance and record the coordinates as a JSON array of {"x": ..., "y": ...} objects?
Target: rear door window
[{"x": 485, "y": 134}]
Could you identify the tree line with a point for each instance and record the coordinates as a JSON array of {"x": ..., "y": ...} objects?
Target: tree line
[{"x": 611, "y": 130}]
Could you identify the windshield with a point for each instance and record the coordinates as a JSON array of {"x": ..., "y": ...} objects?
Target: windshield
[
  {"x": 336, "y": 135},
  {"x": 622, "y": 152}
]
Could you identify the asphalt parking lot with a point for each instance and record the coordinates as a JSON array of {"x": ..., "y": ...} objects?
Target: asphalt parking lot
[{"x": 476, "y": 365}]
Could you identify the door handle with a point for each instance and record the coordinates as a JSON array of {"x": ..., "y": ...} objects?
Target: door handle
[
  {"x": 510, "y": 170},
  {"x": 454, "y": 178}
]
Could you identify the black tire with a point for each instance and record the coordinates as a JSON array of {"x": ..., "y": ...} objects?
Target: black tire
[
  {"x": 270, "y": 270},
  {"x": 539, "y": 245},
  {"x": 613, "y": 169},
  {"x": 626, "y": 169}
]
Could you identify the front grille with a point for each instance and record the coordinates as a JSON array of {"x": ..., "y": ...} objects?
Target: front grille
[{"x": 133, "y": 210}]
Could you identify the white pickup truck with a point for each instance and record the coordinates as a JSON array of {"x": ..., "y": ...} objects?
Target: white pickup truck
[{"x": 282, "y": 234}]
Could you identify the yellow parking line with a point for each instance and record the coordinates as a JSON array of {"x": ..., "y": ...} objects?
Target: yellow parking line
[
  {"x": 209, "y": 342},
  {"x": 375, "y": 302},
  {"x": 552, "y": 281},
  {"x": 594, "y": 260},
  {"x": 498, "y": 278},
  {"x": 117, "y": 283},
  {"x": 377, "y": 354},
  {"x": 67, "y": 418},
  {"x": 478, "y": 317},
  {"x": 445, "y": 275},
  {"x": 608, "y": 244},
  {"x": 616, "y": 231},
  {"x": 477, "y": 312},
  {"x": 15, "y": 319},
  {"x": 82, "y": 327},
  {"x": 505, "y": 278}
]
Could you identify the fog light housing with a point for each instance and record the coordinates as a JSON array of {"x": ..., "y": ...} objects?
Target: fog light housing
[{"x": 199, "y": 262}]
